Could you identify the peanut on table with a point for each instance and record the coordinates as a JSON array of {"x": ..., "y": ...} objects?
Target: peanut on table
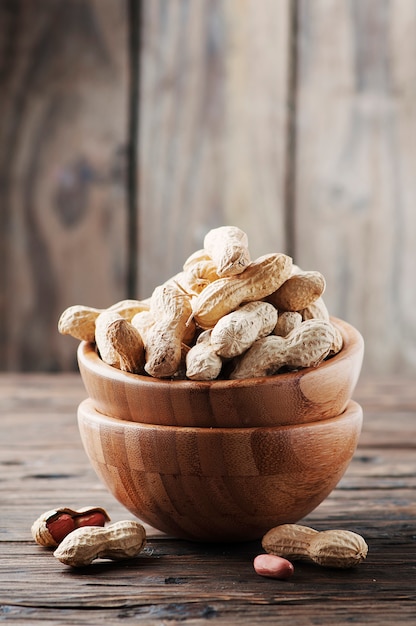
[{"x": 329, "y": 548}]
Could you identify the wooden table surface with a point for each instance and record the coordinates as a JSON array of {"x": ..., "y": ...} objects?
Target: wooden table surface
[{"x": 43, "y": 466}]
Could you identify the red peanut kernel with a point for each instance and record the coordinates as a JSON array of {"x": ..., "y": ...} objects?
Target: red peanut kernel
[
  {"x": 92, "y": 519},
  {"x": 60, "y": 526},
  {"x": 273, "y": 566}
]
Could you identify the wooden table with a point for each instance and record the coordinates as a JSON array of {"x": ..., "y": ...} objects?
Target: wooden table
[{"x": 43, "y": 466}]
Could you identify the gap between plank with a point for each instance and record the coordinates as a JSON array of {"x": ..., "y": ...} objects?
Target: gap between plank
[
  {"x": 134, "y": 17},
  {"x": 291, "y": 138}
]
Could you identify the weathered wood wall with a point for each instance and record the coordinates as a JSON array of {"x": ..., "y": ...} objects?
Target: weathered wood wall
[
  {"x": 213, "y": 120},
  {"x": 63, "y": 112},
  {"x": 356, "y": 164},
  {"x": 128, "y": 129}
]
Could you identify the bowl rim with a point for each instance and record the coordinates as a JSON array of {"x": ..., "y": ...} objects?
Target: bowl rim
[
  {"x": 352, "y": 410},
  {"x": 88, "y": 358}
]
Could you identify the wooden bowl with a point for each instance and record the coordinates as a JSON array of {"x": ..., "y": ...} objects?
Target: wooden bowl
[
  {"x": 298, "y": 397},
  {"x": 219, "y": 484}
]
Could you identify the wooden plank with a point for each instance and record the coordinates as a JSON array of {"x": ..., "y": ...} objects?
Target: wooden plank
[
  {"x": 170, "y": 571},
  {"x": 194, "y": 614},
  {"x": 43, "y": 465},
  {"x": 389, "y": 408},
  {"x": 62, "y": 157},
  {"x": 212, "y": 128},
  {"x": 387, "y": 392},
  {"x": 355, "y": 198}
]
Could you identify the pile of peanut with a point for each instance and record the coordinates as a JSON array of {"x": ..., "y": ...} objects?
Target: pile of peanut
[
  {"x": 328, "y": 548},
  {"x": 80, "y": 537},
  {"x": 223, "y": 316}
]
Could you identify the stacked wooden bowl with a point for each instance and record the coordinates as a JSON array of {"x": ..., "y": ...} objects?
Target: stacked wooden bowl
[{"x": 224, "y": 460}]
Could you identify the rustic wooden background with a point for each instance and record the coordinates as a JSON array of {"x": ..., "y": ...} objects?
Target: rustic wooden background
[{"x": 130, "y": 128}]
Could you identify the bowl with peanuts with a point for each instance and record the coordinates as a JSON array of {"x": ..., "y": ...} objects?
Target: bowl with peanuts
[{"x": 232, "y": 348}]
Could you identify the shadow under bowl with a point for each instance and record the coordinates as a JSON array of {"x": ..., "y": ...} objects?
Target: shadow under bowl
[
  {"x": 219, "y": 484},
  {"x": 297, "y": 397}
]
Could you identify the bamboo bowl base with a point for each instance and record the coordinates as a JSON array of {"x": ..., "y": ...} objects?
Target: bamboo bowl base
[{"x": 217, "y": 484}]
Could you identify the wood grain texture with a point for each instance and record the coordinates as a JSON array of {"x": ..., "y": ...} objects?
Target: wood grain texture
[
  {"x": 212, "y": 128},
  {"x": 293, "y": 120},
  {"x": 219, "y": 484},
  {"x": 62, "y": 158},
  {"x": 185, "y": 583},
  {"x": 297, "y": 397},
  {"x": 355, "y": 195}
]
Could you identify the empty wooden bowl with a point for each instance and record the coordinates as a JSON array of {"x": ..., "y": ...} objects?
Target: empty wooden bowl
[
  {"x": 219, "y": 484},
  {"x": 298, "y": 397}
]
